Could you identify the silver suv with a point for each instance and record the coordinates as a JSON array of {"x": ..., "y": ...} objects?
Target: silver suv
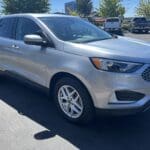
[{"x": 84, "y": 68}]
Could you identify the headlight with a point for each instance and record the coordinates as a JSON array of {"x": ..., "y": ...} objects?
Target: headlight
[{"x": 115, "y": 66}]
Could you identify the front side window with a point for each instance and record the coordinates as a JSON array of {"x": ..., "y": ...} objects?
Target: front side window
[
  {"x": 26, "y": 26},
  {"x": 75, "y": 30},
  {"x": 6, "y": 27}
]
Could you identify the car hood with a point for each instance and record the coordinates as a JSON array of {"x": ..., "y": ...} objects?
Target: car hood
[{"x": 121, "y": 48}]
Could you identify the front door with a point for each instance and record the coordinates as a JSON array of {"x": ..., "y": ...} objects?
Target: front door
[{"x": 31, "y": 59}]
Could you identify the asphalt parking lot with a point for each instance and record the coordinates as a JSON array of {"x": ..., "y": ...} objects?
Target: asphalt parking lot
[
  {"x": 143, "y": 37},
  {"x": 30, "y": 121}
]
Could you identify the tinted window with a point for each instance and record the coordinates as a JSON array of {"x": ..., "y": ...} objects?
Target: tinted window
[
  {"x": 74, "y": 29},
  {"x": 26, "y": 26},
  {"x": 6, "y": 27}
]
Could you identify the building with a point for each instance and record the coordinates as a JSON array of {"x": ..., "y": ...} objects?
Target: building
[{"x": 70, "y": 6}]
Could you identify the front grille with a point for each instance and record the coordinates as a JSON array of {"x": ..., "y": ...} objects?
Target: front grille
[{"x": 146, "y": 74}]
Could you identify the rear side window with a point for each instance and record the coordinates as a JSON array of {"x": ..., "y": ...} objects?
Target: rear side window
[
  {"x": 26, "y": 26},
  {"x": 7, "y": 27}
]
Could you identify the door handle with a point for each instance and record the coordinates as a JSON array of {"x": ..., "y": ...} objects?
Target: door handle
[{"x": 15, "y": 46}]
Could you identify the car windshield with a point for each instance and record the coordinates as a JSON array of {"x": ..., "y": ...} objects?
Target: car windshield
[
  {"x": 140, "y": 20},
  {"x": 74, "y": 29},
  {"x": 113, "y": 20}
]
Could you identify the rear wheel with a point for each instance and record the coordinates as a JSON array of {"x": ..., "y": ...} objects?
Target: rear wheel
[
  {"x": 73, "y": 101},
  {"x": 131, "y": 30},
  {"x": 120, "y": 32}
]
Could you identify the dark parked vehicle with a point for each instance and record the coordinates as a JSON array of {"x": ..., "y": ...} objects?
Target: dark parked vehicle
[{"x": 140, "y": 24}]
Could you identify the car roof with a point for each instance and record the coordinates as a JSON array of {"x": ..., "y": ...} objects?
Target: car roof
[{"x": 36, "y": 15}]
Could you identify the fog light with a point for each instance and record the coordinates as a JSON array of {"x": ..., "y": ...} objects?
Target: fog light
[{"x": 125, "y": 95}]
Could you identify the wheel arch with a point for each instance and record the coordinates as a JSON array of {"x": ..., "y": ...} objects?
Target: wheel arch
[{"x": 60, "y": 75}]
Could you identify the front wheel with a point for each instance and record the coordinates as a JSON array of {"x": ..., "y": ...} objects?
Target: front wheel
[
  {"x": 73, "y": 101},
  {"x": 146, "y": 31},
  {"x": 132, "y": 30}
]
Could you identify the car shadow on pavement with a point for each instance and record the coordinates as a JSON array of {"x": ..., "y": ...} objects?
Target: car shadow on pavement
[{"x": 106, "y": 133}]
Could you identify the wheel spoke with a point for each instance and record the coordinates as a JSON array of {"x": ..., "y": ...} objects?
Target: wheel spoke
[
  {"x": 66, "y": 107},
  {"x": 77, "y": 105},
  {"x": 63, "y": 93},
  {"x": 76, "y": 99},
  {"x": 63, "y": 98},
  {"x": 67, "y": 91},
  {"x": 72, "y": 93},
  {"x": 75, "y": 109}
]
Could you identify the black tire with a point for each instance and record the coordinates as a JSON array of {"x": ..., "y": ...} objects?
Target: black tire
[
  {"x": 146, "y": 31},
  {"x": 141, "y": 31},
  {"x": 132, "y": 30},
  {"x": 120, "y": 33},
  {"x": 88, "y": 113}
]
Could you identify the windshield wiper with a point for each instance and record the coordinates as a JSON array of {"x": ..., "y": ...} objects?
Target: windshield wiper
[{"x": 94, "y": 40}]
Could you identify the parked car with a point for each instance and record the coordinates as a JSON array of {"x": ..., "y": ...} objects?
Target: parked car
[
  {"x": 126, "y": 25},
  {"x": 84, "y": 68},
  {"x": 85, "y": 19},
  {"x": 113, "y": 25},
  {"x": 140, "y": 24}
]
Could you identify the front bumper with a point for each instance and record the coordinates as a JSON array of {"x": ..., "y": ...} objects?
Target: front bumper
[
  {"x": 141, "y": 28},
  {"x": 126, "y": 111},
  {"x": 105, "y": 85}
]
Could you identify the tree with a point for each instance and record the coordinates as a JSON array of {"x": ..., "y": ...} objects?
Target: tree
[
  {"x": 111, "y": 8},
  {"x": 73, "y": 13},
  {"x": 84, "y": 7},
  {"x": 25, "y": 6},
  {"x": 144, "y": 8}
]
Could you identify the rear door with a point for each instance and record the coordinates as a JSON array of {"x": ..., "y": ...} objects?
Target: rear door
[{"x": 7, "y": 52}]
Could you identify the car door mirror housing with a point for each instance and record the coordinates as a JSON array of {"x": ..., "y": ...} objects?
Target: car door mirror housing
[{"x": 35, "y": 40}]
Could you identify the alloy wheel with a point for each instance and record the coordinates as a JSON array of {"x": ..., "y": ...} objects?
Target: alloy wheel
[{"x": 70, "y": 101}]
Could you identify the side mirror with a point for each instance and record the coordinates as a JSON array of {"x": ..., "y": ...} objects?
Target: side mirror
[{"x": 35, "y": 40}]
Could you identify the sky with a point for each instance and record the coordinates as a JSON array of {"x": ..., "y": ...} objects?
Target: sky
[{"x": 58, "y": 6}]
